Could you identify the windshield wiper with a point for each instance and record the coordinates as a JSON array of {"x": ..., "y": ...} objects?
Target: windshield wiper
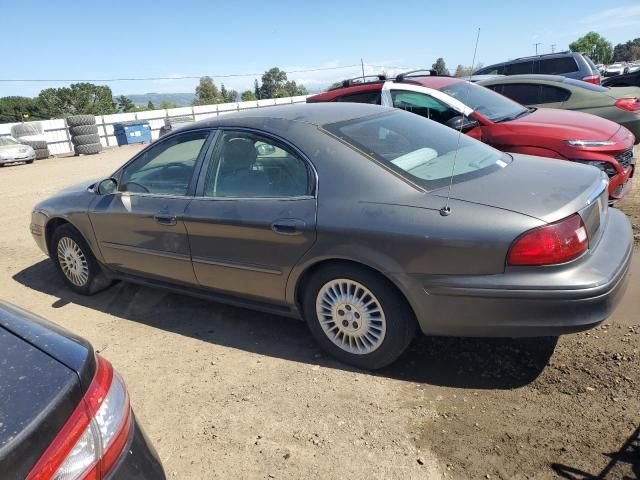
[{"x": 508, "y": 118}]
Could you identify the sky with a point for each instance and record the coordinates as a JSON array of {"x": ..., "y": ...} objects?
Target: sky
[{"x": 63, "y": 39}]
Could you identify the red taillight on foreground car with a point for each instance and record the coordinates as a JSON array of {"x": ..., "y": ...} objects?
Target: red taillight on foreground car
[
  {"x": 595, "y": 79},
  {"x": 554, "y": 243},
  {"x": 91, "y": 441},
  {"x": 629, "y": 104}
]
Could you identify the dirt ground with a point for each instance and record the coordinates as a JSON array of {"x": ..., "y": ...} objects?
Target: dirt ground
[{"x": 229, "y": 393}]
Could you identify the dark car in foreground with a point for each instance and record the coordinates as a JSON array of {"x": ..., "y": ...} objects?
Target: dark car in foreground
[
  {"x": 64, "y": 411},
  {"x": 620, "y": 105},
  {"x": 341, "y": 214},
  {"x": 568, "y": 64},
  {"x": 627, "y": 80},
  {"x": 501, "y": 122}
]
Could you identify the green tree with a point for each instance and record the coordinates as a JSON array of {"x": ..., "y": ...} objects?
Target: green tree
[
  {"x": 125, "y": 104},
  {"x": 595, "y": 46},
  {"x": 207, "y": 93},
  {"x": 440, "y": 67},
  {"x": 79, "y": 98},
  {"x": 150, "y": 105},
  {"x": 228, "y": 96},
  {"x": 628, "y": 51},
  {"x": 275, "y": 85},
  {"x": 256, "y": 88},
  {"x": 247, "y": 96},
  {"x": 164, "y": 105},
  {"x": 462, "y": 71},
  {"x": 14, "y": 109}
]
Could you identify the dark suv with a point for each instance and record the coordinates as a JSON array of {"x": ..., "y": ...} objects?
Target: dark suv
[{"x": 568, "y": 64}]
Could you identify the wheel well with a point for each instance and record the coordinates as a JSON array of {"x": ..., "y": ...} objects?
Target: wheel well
[
  {"x": 308, "y": 273},
  {"x": 51, "y": 227}
]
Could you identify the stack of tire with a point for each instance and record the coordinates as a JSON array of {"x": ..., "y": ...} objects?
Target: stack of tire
[
  {"x": 84, "y": 134},
  {"x": 31, "y": 134}
]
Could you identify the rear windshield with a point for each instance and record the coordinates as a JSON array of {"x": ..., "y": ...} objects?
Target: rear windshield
[
  {"x": 484, "y": 101},
  {"x": 585, "y": 85},
  {"x": 420, "y": 150}
]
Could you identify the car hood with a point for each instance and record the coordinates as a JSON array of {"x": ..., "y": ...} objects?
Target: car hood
[
  {"x": 80, "y": 187},
  {"x": 543, "y": 188},
  {"x": 564, "y": 125}
]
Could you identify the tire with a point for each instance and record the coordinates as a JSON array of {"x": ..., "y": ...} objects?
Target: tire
[
  {"x": 85, "y": 139},
  {"x": 42, "y": 153},
  {"x": 25, "y": 129},
  {"x": 78, "y": 120},
  {"x": 29, "y": 162},
  {"x": 35, "y": 144},
  {"x": 87, "y": 149},
  {"x": 84, "y": 273},
  {"x": 396, "y": 325},
  {"x": 83, "y": 130}
]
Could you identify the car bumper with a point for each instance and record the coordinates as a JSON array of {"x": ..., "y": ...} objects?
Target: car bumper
[
  {"x": 139, "y": 460},
  {"x": 27, "y": 158},
  {"x": 525, "y": 301}
]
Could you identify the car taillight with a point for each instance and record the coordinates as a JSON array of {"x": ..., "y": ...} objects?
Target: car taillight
[
  {"x": 629, "y": 104},
  {"x": 554, "y": 243},
  {"x": 92, "y": 439},
  {"x": 595, "y": 79}
]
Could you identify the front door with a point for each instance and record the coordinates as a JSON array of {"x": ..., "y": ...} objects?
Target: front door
[
  {"x": 139, "y": 228},
  {"x": 254, "y": 216}
]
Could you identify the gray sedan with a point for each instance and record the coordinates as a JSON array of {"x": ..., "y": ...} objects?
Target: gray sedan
[
  {"x": 12, "y": 151},
  {"x": 341, "y": 214}
]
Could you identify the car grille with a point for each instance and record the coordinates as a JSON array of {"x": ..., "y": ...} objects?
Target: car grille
[{"x": 624, "y": 159}]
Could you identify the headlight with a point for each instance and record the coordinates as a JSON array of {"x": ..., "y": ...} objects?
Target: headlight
[
  {"x": 606, "y": 167},
  {"x": 590, "y": 143}
]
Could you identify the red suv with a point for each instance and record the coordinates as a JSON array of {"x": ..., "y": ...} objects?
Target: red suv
[{"x": 501, "y": 122}]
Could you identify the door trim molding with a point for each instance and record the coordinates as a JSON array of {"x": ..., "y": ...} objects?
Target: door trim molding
[
  {"x": 223, "y": 262},
  {"x": 147, "y": 251}
]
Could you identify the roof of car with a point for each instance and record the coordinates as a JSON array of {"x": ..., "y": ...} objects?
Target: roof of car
[
  {"x": 435, "y": 82},
  {"x": 522, "y": 78},
  {"x": 312, "y": 113}
]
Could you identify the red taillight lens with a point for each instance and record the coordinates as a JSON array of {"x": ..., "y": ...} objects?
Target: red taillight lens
[
  {"x": 554, "y": 243},
  {"x": 595, "y": 79},
  {"x": 629, "y": 104},
  {"x": 92, "y": 439}
]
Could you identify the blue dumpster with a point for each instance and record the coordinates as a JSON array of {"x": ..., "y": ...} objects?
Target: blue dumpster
[{"x": 127, "y": 133}]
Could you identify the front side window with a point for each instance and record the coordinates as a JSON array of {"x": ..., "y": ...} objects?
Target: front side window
[
  {"x": 167, "y": 168},
  {"x": 492, "y": 105},
  {"x": 419, "y": 150},
  {"x": 248, "y": 165},
  {"x": 423, "y": 105},
  {"x": 523, "y": 93}
]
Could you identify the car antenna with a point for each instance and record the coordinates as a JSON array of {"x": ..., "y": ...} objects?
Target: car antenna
[{"x": 445, "y": 211}]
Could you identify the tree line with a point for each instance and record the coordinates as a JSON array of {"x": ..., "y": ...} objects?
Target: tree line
[{"x": 87, "y": 98}]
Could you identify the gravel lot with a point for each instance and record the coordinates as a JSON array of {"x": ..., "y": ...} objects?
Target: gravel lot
[{"x": 229, "y": 393}]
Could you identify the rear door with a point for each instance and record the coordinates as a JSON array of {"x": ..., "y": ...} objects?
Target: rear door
[
  {"x": 140, "y": 228},
  {"x": 254, "y": 215}
]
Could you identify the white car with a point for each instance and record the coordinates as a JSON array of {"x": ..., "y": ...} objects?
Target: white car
[
  {"x": 11, "y": 151},
  {"x": 616, "y": 69}
]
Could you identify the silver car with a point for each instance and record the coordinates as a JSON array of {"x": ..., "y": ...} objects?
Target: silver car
[
  {"x": 11, "y": 151},
  {"x": 364, "y": 220}
]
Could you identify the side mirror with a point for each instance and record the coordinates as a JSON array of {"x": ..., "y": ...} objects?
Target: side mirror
[
  {"x": 462, "y": 123},
  {"x": 107, "y": 186}
]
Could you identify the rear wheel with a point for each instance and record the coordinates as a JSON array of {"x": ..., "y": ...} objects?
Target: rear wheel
[
  {"x": 358, "y": 316},
  {"x": 73, "y": 258}
]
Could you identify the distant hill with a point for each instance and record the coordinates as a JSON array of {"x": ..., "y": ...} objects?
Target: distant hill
[{"x": 181, "y": 99}]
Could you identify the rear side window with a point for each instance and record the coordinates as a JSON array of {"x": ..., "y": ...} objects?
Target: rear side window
[
  {"x": 524, "y": 93},
  {"x": 558, "y": 66},
  {"x": 549, "y": 94},
  {"x": 372, "y": 97},
  {"x": 520, "y": 68}
]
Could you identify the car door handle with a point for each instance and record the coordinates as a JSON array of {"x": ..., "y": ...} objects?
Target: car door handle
[
  {"x": 165, "y": 219},
  {"x": 288, "y": 226}
]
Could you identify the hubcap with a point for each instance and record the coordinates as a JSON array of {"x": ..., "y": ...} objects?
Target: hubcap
[
  {"x": 73, "y": 262},
  {"x": 351, "y": 316}
]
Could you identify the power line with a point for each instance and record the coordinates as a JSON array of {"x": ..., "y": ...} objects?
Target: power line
[{"x": 186, "y": 77}]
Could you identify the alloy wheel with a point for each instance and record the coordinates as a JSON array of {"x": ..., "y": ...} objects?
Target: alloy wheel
[{"x": 73, "y": 262}]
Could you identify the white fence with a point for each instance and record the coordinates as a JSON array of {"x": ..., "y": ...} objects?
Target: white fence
[{"x": 59, "y": 141}]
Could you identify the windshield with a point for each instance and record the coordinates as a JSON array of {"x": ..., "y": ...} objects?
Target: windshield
[
  {"x": 8, "y": 141},
  {"x": 484, "y": 101},
  {"x": 420, "y": 150}
]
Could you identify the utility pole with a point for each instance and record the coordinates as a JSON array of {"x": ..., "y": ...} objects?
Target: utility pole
[
  {"x": 536, "y": 45},
  {"x": 553, "y": 48}
]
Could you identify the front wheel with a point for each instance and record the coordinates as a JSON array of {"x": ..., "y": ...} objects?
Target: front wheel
[
  {"x": 358, "y": 316},
  {"x": 74, "y": 259}
]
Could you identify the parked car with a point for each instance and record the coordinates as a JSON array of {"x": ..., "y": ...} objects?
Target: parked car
[
  {"x": 633, "y": 67},
  {"x": 568, "y": 64},
  {"x": 626, "y": 80},
  {"x": 502, "y": 123},
  {"x": 347, "y": 220},
  {"x": 616, "y": 69},
  {"x": 620, "y": 105},
  {"x": 64, "y": 411},
  {"x": 11, "y": 151}
]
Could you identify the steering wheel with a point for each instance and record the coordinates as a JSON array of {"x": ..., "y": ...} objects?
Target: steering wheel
[
  {"x": 179, "y": 165},
  {"x": 140, "y": 188}
]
